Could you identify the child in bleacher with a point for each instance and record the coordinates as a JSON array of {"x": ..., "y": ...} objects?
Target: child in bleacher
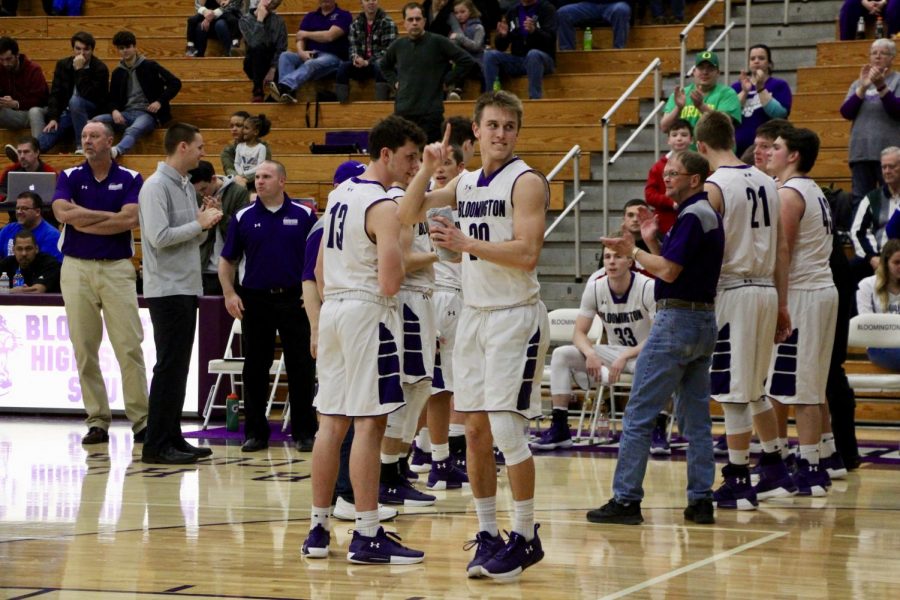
[
  {"x": 252, "y": 151},
  {"x": 471, "y": 39},
  {"x": 236, "y": 125},
  {"x": 680, "y": 138}
]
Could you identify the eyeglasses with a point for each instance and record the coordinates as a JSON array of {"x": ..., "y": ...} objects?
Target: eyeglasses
[
  {"x": 672, "y": 174},
  {"x": 24, "y": 208}
]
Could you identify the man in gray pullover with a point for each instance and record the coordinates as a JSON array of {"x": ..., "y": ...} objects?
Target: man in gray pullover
[{"x": 172, "y": 228}]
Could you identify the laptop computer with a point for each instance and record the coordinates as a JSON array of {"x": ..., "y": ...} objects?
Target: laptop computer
[{"x": 43, "y": 184}]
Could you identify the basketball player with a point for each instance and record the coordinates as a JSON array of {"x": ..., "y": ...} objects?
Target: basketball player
[
  {"x": 502, "y": 332},
  {"x": 799, "y": 369},
  {"x": 751, "y": 303},
  {"x": 359, "y": 270},
  {"x": 624, "y": 300}
]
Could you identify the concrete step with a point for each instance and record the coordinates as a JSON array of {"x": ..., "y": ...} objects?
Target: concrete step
[{"x": 772, "y": 12}]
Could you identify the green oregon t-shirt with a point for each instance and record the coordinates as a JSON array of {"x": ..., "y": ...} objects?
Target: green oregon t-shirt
[{"x": 722, "y": 98}]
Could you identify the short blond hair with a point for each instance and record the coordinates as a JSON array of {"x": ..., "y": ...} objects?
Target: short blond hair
[{"x": 501, "y": 99}]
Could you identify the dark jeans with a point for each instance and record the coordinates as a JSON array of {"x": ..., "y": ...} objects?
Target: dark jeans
[
  {"x": 257, "y": 63},
  {"x": 264, "y": 315},
  {"x": 838, "y": 393},
  {"x": 225, "y": 29},
  {"x": 174, "y": 322},
  {"x": 211, "y": 285},
  {"x": 347, "y": 71},
  {"x": 431, "y": 124}
]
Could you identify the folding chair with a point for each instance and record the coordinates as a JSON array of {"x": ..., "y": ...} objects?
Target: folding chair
[{"x": 233, "y": 366}]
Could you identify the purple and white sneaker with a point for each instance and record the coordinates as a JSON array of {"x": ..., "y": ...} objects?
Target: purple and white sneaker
[
  {"x": 487, "y": 546},
  {"x": 834, "y": 466},
  {"x": 517, "y": 555},
  {"x": 420, "y": 461},
  {"x": 774, "y": 481},
  {"x": 811, "y": 480},
  {"x": 736, "y": 493},
  {"x": 556, "y": 436},
  {"x": 401, "y": 492},
  {"x": 445, "y": 476},
  {"x": 316, "y": 543},
  {"x": 720, "y": 447},
  {"x": 659, "y": 444},
  {"x": 384, "y": 548}
]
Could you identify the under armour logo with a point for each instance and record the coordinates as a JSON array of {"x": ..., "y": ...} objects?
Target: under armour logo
[
  {"x": 440, "y": 465},
  {"x": 529, "y": 549},
  {"x": 375, "y": 544},
  {"x": 392, "y": 490},
  {"x": 257, "y": 224},
  {"x": 84, "y": 187},
  {"x": 742, "y": 480}
]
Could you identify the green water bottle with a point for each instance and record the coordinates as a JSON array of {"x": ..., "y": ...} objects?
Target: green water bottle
[
  {"x": 588, "y": 39},
  {"x": 232, "y": 412},
  {"x": 497, "y": 86}
]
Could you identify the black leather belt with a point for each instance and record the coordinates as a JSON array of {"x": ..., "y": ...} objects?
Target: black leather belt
[{"x": 684, "y": 304}]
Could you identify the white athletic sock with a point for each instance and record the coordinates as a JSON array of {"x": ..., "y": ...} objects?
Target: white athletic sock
[
  {"x": 367, "y": 522},
  {"x": 457, "y": 429},
  {"x": 486, "y": 509},
  {"x": 319, "y": 516},
  {"x": 826, "y": 445},
  {"x": 440, "y": 452},
  {"x": 770, "y": 446},
  {"x": 523, "y": 518},
  {"x": 389, "y": 459},
  {"x": 739, "y": 457},
  {"x": 810, "y": 453},
  {"x": 423, "y": 440},
  {"x": 785, "y": 449}
]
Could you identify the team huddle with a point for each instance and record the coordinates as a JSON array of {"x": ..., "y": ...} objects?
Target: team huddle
[{"x": 414, "y": 251}]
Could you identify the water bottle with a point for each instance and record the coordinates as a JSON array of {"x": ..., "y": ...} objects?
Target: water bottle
[
  {"x": 232, "y": 412},
  {"x": 588, "y": 39},
  {"x": 602, "y": 431},
  {"x": 18, "y": 279},
  {"x": 497, "y": 86},
  {"x": 861, "y": 29},
  {"x": 4, "y": 283},
  {"x": 879, "y": 28}
]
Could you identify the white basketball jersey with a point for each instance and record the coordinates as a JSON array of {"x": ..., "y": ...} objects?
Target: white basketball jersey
[
  {"x": 751, "y": 223},
  {"x": 486, "y": 213},
  {"x": 627, "y": 319},
  {"x": 351, "y": 257},
  {"x": 421, "y": 243},
  {"x": 448, "y": 274},
  {"x": 812, "y": 249}
]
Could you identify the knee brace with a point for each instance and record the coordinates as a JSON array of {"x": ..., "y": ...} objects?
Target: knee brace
[
  {"x": 416, "y": 396},
  {"x": 510, "y": 436},
  {"x": 395, "y": 423},
  {"x": 760, "y": 405},
  {"x": 737, "y": 418}
]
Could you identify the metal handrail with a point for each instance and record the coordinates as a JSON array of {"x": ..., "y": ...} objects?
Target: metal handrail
[
  {"x": 653, "y": 67},
  {"x": 687, "y": 29},
  {"x": 573, "y": 154},
  {"x": 644, "y": 123}
]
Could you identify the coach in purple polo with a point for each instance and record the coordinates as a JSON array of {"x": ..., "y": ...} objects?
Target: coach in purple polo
[
  {"x": 270, "y": 235},
  {"x": 97, "y": 203},
  {"x": 322, "y": 45},
  {"x": 678, "y": 353}
]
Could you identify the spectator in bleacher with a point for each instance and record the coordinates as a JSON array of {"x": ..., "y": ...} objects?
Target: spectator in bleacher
[
  {"x": 214, "y": 16},
  {"x": 762, "y": 96},
  {"x": 79, "y": 92},
  {"x": 705, "y": 94},
  {"x": 39, "y": 269},
  {"x": 321, "y": 46},
  {"x": 766, "y": 134},
  {"x": 28, "y": 217},
  {"x": 681, "y": 136},
  {"x": 420, "y": 66},
  {"x": 852, "y": 10},
  {"x": 265, "y": 33},
  {"x": 472, "y": 36},
  {"x": 139, "y": 92},
  {"x": 251, "y": 152},
  {"x": 591, "y": 13},
  {"x": 224, "y": 194},
  {"x": 23, "y": 89},
  {"x": 371, "y": 33},
  {"x": 659, "y": 15},
  {"x": 873, "y": 104},
  {"x": 27, "y": 154},
  {"x": 439, "y": 16},
  {"x": 868, "y": 230},
  {"x": 880, "y": 293},
  {"x": 529, "y": 32},
  {"x": 236, "y": 126}
]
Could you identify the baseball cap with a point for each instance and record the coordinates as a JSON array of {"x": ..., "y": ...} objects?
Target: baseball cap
[
  {"x": 707, "y": 56},
  {"x": 346, "y": 170}
]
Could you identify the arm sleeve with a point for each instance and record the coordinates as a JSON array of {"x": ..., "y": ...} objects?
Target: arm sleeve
[
  {"x": 389, "y": 63},
  {"x": 852, "y": 103},
  {"x": 48, "y": 275},
  {"x": 227, "y": 158},
  {"x": 155, "y": 228},
  {"x": 655, "y": 190},
  {"x": 774, "y": 109},
  {"x": 312, "y": 253},
  {"x": 730, "y": 105},
  {"x": 462, "y": 60},
  {"x": 233, "y": 248},
  {"x": 36, "y": 92},
  {"x": 588, "y": 306},
  {"x": 473, "y": 44},
  {"x": 680, "y": 250},
  {"x": 865, "y": 296},
  {"x": 861, "y": 230},
  {"x": 649, "y": 297},
  {"x": 892, "y": 229}
]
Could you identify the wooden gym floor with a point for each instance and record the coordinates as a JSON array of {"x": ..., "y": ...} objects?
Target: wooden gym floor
[{"x": 95, "y": 523}]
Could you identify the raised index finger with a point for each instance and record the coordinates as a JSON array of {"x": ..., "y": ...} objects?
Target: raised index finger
[{"x": 446, "y": 141}]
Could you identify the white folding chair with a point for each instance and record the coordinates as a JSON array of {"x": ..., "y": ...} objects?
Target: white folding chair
[
  {"x": 875, "y": 330},
  {"x": 233, "y": 366}
]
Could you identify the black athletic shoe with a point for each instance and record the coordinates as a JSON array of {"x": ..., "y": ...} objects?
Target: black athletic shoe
[
  {"x": 614, "y": 512},
  {"x": 700, "y": 512}
]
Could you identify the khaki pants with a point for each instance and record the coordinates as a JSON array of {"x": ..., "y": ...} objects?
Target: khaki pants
[{"x": 89, "y": 288}]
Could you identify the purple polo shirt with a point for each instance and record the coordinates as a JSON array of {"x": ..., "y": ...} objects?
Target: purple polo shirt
[
  {"x": 316, "y": 21},
  {"x": 313, "y": 243},
  {"x": 272, "y": 244},
  {"x": 697, "y": 243},
  {"x": 78, "y": 185}
]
